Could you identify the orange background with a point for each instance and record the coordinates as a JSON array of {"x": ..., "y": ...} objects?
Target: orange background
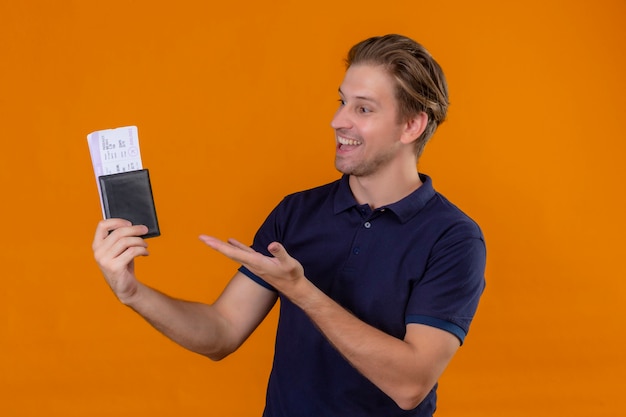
[{"x": 233, "y": 102}]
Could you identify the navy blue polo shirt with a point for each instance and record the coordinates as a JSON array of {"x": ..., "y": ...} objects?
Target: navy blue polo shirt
[{"x": 419, "y": 260}]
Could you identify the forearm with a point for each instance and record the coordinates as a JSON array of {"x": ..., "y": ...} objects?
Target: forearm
[
  {"x": 195, "y": 326},
  {"x": 406, "y": 370},
  {"x": 395, "y": 366}
]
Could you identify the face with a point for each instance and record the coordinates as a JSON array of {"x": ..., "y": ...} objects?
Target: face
[{"x": 366, "y": 124}]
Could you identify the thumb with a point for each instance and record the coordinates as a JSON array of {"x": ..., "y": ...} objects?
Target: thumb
[{"x": 278, "y": 251}]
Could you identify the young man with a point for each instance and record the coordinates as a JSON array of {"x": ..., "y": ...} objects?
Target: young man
[{"x": 378, "y": 275}]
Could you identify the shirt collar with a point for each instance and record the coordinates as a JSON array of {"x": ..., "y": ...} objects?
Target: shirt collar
[{"x": 404, "y": 209}]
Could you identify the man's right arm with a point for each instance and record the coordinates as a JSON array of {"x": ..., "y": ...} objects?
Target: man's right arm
[{"x": 214, "y": 330}]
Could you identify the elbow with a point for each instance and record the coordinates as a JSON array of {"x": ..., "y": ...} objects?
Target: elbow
[
  {"x": 217, "y": 353},
  {"x": 408, "y": 403},
  {"x": 219, "y": 347},
  {"x": 410, "y": 397},
  {"x": 216, "y": 357}
]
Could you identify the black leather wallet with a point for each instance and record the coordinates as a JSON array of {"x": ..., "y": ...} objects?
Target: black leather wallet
[{"x": 128, "y": 195}]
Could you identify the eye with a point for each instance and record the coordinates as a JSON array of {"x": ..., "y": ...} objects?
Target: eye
[
  {"x": 363, "y": 110},
  {"x": 342, "y": 102}
]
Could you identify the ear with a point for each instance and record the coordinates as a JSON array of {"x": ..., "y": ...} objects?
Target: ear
[{"x": 414, "y": 127}]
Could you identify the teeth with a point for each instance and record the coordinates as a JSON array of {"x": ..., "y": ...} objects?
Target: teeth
[{"x": 346, "y": 141}]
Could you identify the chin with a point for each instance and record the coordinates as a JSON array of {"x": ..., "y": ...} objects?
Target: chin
[{"x": 343, "y": 169}]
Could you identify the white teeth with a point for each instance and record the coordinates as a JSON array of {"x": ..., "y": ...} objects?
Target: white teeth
[{"x": 346, "y": 141}]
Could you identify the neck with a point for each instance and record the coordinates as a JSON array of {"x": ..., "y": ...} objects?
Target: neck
[{"x": 383, "y": 188}]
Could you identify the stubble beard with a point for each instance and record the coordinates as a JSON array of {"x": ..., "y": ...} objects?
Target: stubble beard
[{"x": 367, "y": 167}]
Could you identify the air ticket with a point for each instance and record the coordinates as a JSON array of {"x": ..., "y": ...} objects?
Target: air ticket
[{"x": 114, "y": 151}]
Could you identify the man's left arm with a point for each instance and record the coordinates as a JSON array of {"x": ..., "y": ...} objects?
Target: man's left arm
[{"x": 406, "y": 370}]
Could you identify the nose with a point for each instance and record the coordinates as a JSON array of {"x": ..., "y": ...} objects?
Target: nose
[{"x": 341, "y": 119}]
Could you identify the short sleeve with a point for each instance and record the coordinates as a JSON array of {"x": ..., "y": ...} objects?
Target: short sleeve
[
  {"x": 268, "y": 232},
  {"x": 447, "y": 294}
]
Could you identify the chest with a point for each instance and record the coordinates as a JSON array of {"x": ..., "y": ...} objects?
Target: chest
[{"x": 367, "y": 263}]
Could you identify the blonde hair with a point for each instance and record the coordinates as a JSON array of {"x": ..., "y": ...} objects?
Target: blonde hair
[{"x": 420, "y": 82}]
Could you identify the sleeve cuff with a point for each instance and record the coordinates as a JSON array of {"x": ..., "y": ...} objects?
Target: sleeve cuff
[
  {"x": 255, "y": 278},
  {"x": 458, "y": 331}
]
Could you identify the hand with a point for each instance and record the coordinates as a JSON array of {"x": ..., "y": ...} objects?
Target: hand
[
  {"x": 281, "y": 271},
  {"x": 116, "y": 244}
]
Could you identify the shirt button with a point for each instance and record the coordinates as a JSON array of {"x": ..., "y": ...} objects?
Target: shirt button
[
  {"x": 367, "y": 225},
  {"x": 356, "y": 251}
]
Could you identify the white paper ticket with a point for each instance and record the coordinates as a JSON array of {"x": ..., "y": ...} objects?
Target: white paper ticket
[{"x": 114, "y": 151}]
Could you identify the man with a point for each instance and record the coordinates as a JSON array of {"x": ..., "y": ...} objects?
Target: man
[{"x": 378, "y": 275}]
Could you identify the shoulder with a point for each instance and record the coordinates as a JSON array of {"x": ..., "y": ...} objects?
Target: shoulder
[
  {"x": 449, "y": 217},
  {"x": 456, "y": 239},
  {"x": 311, "y": 197},
  {"x": 320, "y": 190},
  {"x": 428, "y": 211}
]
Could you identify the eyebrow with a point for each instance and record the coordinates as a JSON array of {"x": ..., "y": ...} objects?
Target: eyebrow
[{"x": 365, "y": 98}]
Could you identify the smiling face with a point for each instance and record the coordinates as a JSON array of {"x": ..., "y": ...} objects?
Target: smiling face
[{"x": 368, "y": 132}]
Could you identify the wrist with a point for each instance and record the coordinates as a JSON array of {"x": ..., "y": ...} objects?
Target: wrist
[
  {"x": 130, "y": 296},
  {"x": 305, "y": 295}
]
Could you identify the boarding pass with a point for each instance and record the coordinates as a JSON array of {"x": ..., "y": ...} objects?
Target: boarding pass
[{"x": 114, "y": 151}]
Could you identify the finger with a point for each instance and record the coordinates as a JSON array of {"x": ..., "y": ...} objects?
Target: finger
[
  {"x": 129, "y": 254},
  {"x": 108, "y": 225},
  {"x": 120, "y": 254},
  {"x": 116, "y": 244},
  {"x": 134, "y": 231},
  {"x": 229, "y": 250},
  {"x": 108, "y": 233},
  {"x": 238, "y": 244},
  {"x": 215, "y": 243},
  {"x": 208, "y": 240},
  {"x": 123, "y": 244}
]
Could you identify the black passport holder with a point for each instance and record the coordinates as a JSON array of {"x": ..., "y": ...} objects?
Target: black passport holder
[{"x": 128, "y": 195}]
